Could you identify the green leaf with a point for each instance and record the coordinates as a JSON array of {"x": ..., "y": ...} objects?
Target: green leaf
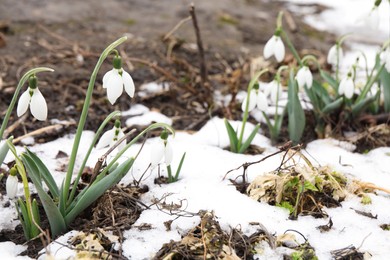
[
  {"x": 385, "y": 81},
  {"x": 35, "y": 213},
  {"x": 94, "y": 191},
  {"x": 56, "y": 220},
  {"x": 232, "y": 136},
  {"x": 286, "y": 205},
  {"x": 331, "y": 107},
  {"x": 310, "y": 186},
  {"x": 24, "y": 218},
  {"x": 363, "y": 104},
  {"x": 328, "y": 78},
  {"x": 179, "y": 167},
  {"x": 4, "y": 150},
  {"x": 45, "y": 174},
  {"x": 296, "y": 115},
  {"x": 249, "y": 140},
  {"x": 321, "y": 93}
]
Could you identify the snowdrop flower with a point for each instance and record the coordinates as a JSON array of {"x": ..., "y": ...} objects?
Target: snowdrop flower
[
  {"x": 335, "y": 55},
  {"x": 274, "y": 90},
  {"x": 115, "y": 79},
  {"x": 385, "y": 58},
  {"x": 256, "y": 98},
  {"x": 274, "y": 47},
  {"x": 162, "y": 149},
  {"x": 32, "y": 97},
  {"x": 304, "y": 77},
  {"x": 347, "y": 86},
  {"x": 11, "y": 185},
  {"x": 111, "y": 137}
]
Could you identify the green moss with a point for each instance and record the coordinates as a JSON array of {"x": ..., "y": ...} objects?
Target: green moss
[{"x": 129, "y": 21}]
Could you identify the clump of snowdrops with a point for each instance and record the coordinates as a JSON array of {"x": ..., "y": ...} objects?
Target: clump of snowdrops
[
  {"x": 332, "y": 96},
  {"x": 61, "y": 204}
]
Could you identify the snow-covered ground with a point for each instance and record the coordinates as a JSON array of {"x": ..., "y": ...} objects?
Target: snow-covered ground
[{"x": 202, "y": 187}]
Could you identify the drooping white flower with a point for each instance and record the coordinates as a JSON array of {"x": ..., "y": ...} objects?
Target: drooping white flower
[
  {"x": 385, "y": 58},
  {"x": 274, "y": 91},
  {"x": 111, "y": 137},
  {"x": 11, "y": 184},
  {"x": 304, "y": 77},
  {"x": 274, "y": 47},
  {"x": 256, "y": 98},
  {"x": 117, "y": 79},
  {"x": 161, "y": 150},
  {"x": 347, "y": 86},
  {"x": 32, "y": 97},
  {"x": 335, "y": 53}
]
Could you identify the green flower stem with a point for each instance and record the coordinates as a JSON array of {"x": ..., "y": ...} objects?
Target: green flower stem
[
  {"x": 369, "y": 83},
  {"x": 279, "y": 20},
  {"x": 246, "y": 112},
  {"x": 83, "y": 117},
  {"x": 170, "y": 177},
  {"x": 96, "y": 137},
  {"x": 338, "y": 44},
  {"x": 291, "y": 47},
  {"x": 17, "y": 90}
]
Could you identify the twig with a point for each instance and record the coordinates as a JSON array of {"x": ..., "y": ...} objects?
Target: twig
[
  {"x": 177, "y": 26},
  {"x": 12, "y": 127},
  {"x": 203, "y": 68}
]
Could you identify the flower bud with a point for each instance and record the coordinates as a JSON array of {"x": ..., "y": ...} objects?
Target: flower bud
[{"x": 12, "y": 183}]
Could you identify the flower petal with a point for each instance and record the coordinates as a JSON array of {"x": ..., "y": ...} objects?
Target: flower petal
[
  {"x": 38, "y": 106},
  {"x": 107, "y": 76},
  {"x": 332, "y": 55},
  {"x": 106, "y": 139},
  {"x": 11, "y": 186},
  {"x": 269, "y": 47},
  {"x": 122, "y": 145},
  {"x": 349, "y": 88},
  {"x": 168, "y": 153},
  {"x": 114, "y": 87},
  {"x": 341, "y": 89},
  {"x": 301, "y": 77},
  {"x": 276, "y": 92},
  {"x": 262, "y": 102},
  {"x": 279, "y": 50},
  {"x": 308, "y": 78},
  {"x": 252, "y": 101},
  {"x": 157, "y": 152},
  {"x": 23, "y": 103},
  {"x": 129, "y": 83}
]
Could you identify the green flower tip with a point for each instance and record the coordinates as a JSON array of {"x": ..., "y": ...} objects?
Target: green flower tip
[
  {"x": 164, "y": 135},
  {"x": 377, "y": 3},
  {"x": 256, "y": 86},
  {"x": 117, "y": 62},
  {"x": 117, "y": 123},
  {"x": 33, "y": 82},
  {"x": 278, "y": 32},
  {"x": 13, "y": 171}
]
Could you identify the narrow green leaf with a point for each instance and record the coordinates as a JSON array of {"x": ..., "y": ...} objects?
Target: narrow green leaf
[
  {"x": 24, "y": 218},
  {"x": 179, "y": 167},
  {"x": 4, "y": 150},
  {"x": 310, "y": 186},
  {"x": 45, "y": 174},
  {"x": 331, "y": 107},
  {"x": 296, "y": 115},
  {"x": 248, "y": 141},
  {"x": 362, "y": 105},
  {"x": 97, "y": 189},
  {"x": 232, "y": 136},
  {"x": 35, "y": 213},
  {"x": 321, "y": 93},
  {"x": 385, "y": 82},
  {"x": 56, "y": 220},
  {"x": 328, "y": 78}
]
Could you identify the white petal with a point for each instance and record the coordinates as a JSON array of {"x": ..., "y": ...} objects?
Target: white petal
[
  {"x": 122, "y": 144},
  {"x": 349, "y": 88},
  {"x": 308, "y": 78},
  {"x": 279, "y": 50},
  {"x": 301, "y": 79},
  {"x": 266, "y": 88},
  {"x": 269, "y": 48},
  {"x": 129, "y": 84},
  {"x": 11, "y": 186},
  {"x": 157, "y": 152},
  {"x": 23, "y": 103},
  {"x": 114, "y": 87},
  {"x": 262, "y": 102},
  {"x": 38, "y": 106},
  {"x": 106, "y": 139},
  {"x": 168, "y": 153},
  {"x": 332, "y": 55},
  {"x": 252, "y": 101},
  {"x": 341, "y": 89},
  {"x": 107, "y": 76},
  {"x": 276, "y": 92}
]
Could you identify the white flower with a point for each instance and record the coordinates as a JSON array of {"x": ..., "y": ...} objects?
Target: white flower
[
  {"x": 11, "y": 186},
  {"x": 274, "y": 90},
  {"x": 335, "y": 53},
  {"x": 34, "y": 98},
  {"x": 304, "y": 77},
  {"x": 275, "y": 47},
  {"x": 385, "y": 58},
  {"x": 347, "y": 86},
  {"x": 116, "y": 79},
  {"x": 256, "y": 98},
  {"x": 111, "y": 137},
  {"x": 161, "y": 149}
]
